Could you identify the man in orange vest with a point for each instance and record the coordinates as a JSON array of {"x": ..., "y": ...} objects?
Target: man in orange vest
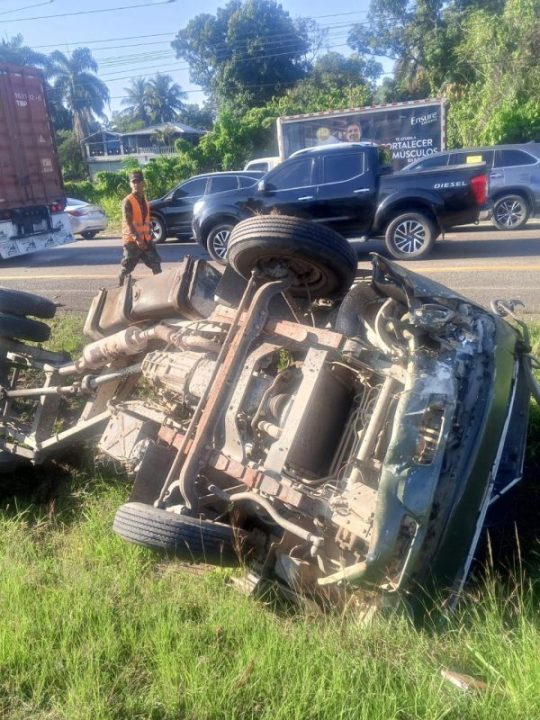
[{"x": 136, "y": 234}]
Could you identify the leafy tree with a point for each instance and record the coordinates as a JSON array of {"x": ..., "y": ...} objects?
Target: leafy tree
[
  {"x": 15, "y": 52},
  {"x": 336, "y": 82},
  {"x": 414, "y": 36},
  {"x": 246, "y": 53},
  {"x": 71, "y": 158},
  {"x": 136, "y": 101},
  {"x": 123, "y": 122},
  {"x": 82, "y": 92},
  {"x": 498, "y": 55},
  {"x": 165, "y": 136},
  {"x": 164, "y": 99},
  {"x": 197, "y": 116}
]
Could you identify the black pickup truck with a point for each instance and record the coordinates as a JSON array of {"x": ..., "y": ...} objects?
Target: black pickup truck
[{"x": 351, "y": 188}]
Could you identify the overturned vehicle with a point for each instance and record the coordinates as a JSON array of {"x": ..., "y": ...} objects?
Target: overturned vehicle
[{"x": 339, "y": 433}]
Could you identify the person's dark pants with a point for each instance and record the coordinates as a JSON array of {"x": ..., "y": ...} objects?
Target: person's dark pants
[{"x": 133, "y": 254}]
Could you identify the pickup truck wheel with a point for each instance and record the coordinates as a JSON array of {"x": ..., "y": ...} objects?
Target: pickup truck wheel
[
  {"x": 218, "y": 241},
  {"x": 157, "y": 230},
  {"x": 410, "y": 236},
  {"x": 322, "y": 261},
  {"x": 17, "y": 302},
  {"x": 510, "y": 212},
  {"x": 23, "y": 328},
  {"x": 180, "y": 535}
]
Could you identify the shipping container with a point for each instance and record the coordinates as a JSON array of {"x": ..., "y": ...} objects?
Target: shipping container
[{"x": 32, "y": 196}]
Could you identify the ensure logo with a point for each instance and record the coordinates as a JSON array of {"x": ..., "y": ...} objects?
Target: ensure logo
[{"x": 425, "y": 119}]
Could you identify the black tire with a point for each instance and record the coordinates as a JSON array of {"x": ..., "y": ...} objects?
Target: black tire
[
  {"x": 9, "y": 463},
  {"x": 180, "y": 535},
  {"x": 16, "y": 302},
  {"x": 23, "y": 328},
  {"x": 89, "y": 234},
  {"x": 217, "y": 241},
  {"x": 510, "y": 212},
  {"x": 323, "y": 262},
  {"x": 410, "y": 236},
  {"x": 157, "y": 230}
]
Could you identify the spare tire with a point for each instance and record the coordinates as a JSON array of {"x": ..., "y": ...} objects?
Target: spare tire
[
  {"x": 187, "y": 537},
  {"x": 23, "y": 328},
  {"x": 17, "y": 302},
  {"x": 322, "y": 262}
]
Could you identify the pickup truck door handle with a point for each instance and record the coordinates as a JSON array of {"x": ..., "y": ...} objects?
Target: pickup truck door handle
[
  {"x": 306, "y": 197},
  {"x": 496, "y": 175},
  {"x": 361, "y": 190}
]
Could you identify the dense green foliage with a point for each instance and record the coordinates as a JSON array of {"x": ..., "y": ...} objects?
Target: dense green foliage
[
  {"x": 247, "y": 53},
  {"x": 71, "y": 158},
  {"x": 483, "y": 55}
]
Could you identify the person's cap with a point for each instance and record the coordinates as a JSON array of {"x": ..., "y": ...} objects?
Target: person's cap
[{"x": 136, "y": 175}]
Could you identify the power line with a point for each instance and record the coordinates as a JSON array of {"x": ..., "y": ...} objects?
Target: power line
[
  {"x": 109, "y": 77},
  {"x": 92, "y": 42},
  {"x": 142, "y": 37},
  {"x": 279, "y": 37},
  {"x": 92, "y": 12},
  {"x": 26, "y": 7}
]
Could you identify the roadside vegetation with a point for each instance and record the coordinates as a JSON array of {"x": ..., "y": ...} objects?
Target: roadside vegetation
[{"x": 93, "y": 627}]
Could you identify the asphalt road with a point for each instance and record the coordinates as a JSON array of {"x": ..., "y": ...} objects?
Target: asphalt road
[{"x": 480, "y": 262}]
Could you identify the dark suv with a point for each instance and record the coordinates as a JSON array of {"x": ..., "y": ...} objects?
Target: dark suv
[
  {"x": 171, "y": 215},
  {"x": 514, "y": 178}
]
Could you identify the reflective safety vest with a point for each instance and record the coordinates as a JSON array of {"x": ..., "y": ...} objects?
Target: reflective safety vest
[{"x": 140, "y": 223}]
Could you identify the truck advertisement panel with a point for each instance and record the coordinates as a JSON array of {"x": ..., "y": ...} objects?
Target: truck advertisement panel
[{"x": 411, "y": 130}]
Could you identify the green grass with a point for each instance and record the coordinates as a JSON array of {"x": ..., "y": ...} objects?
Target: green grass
[{"x": 92, "y": 628}]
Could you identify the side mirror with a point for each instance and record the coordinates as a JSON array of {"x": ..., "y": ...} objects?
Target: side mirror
[
  {"x": 177, "y": 194},
  {"x": 261, "y": 186}
]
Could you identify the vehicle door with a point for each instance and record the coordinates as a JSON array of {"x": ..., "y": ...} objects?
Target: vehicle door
[
  {"x": 291, "y": 188},
  {"x": 514, "y": 168},
  {"x": 347, "y": 195},
  {"x": 178, "y": 210}
]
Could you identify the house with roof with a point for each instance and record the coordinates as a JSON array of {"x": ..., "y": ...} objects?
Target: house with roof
[{"x": 106, "y": 149}]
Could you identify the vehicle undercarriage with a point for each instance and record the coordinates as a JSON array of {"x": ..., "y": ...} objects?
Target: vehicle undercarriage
[{"x": 336, "y": 436}]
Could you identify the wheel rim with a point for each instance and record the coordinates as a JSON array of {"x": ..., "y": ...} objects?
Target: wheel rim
[
  {"x": 156, "y": 230},
  {"x": 409, "y": 237},
  {"x": 510, "y": 213},
  {"x": 220, "y": 242}
]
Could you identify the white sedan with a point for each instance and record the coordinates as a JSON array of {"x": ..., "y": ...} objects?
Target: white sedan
[{"x": 86, "y": 219}]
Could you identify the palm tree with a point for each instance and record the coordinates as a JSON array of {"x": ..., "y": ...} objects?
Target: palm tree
[
  {"x": 164, "y": 98},
  {"x": 136, "y": 100},
  {"x": 13, "y": 51},
  {"x": 84, "y": 94},
  {"x": 166, "y": 135}
]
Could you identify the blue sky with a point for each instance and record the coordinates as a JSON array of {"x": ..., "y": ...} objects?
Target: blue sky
[{"x": 100, "y": 26}]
